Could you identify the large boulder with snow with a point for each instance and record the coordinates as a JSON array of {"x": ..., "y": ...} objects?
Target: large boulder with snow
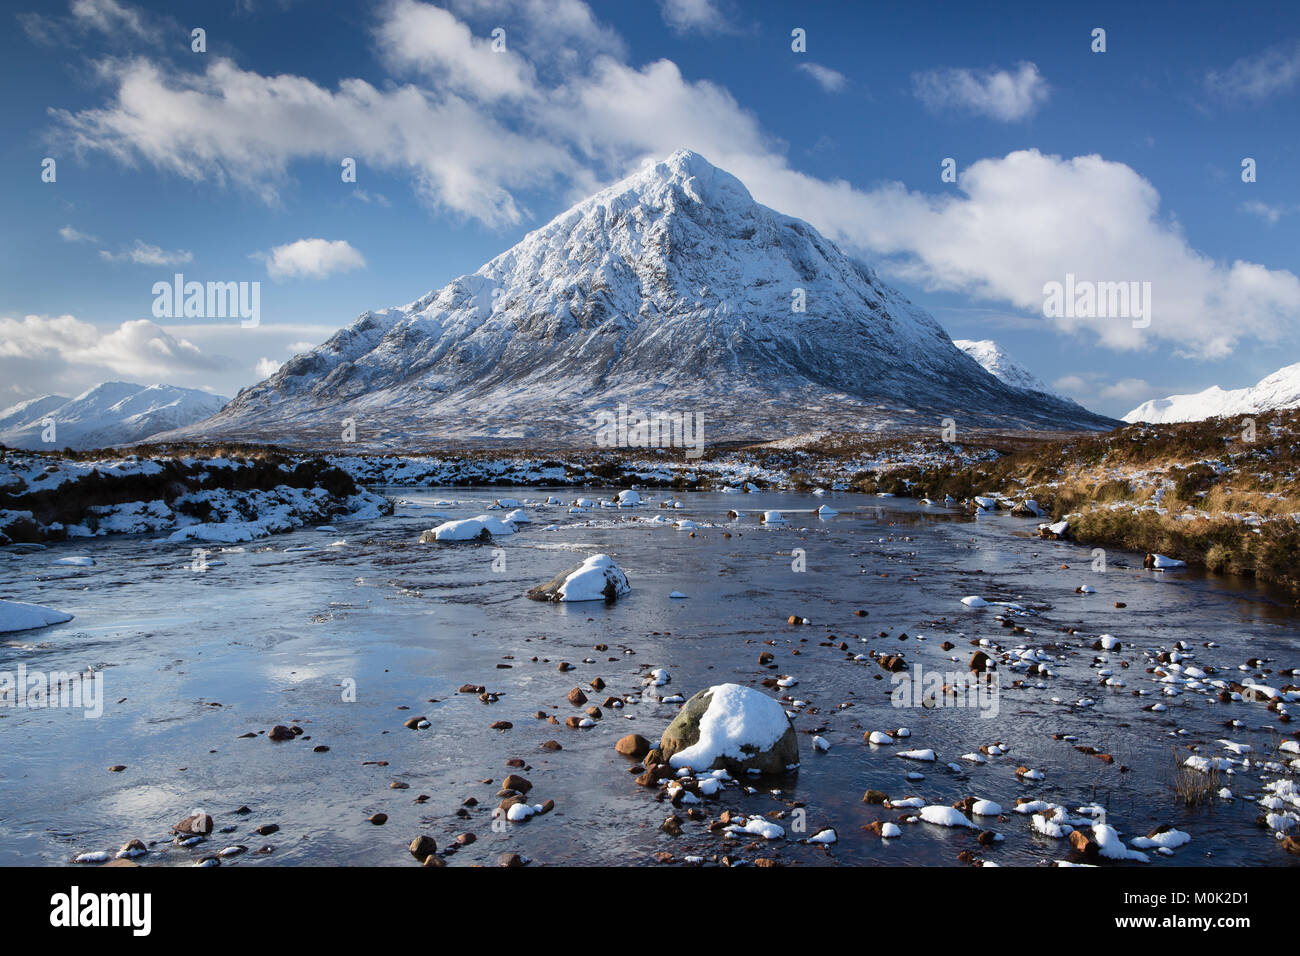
[
  {"x": 733, "y": 728},
  {"x": 596, "y": 579},
  {"x": 478, "y": 528}
]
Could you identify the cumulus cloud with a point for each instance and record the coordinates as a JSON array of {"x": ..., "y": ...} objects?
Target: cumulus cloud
[
  {"x": 832, "y": 81},
  {"x": 999, "y": 94},
  {"x": 313, "y": 259},
  {"x": 1030, "y": 218},
  {"x": 142, "y": 253},
  {"x": 226, "y": 125},
  {"x": 431, "y": 41},
  {"x": 1260, "y": 75},
  {"x": 135, "y": 349},
  {"x": 1014, "y": 223},
  {"x": 266, "y": 367}
]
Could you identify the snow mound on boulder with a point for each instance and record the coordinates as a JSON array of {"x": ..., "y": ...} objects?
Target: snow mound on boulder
[
  {"x": 733, "y": 727},
  {"x": 21, "y": 616},
  {"x": 478, "y": 528},
  {"x": 596, "y": 579}
]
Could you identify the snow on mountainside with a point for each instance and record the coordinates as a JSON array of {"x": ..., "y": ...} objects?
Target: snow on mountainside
[
  {"x": 1277, "y": 391},
  {"x": 672, "y": 291},
  {"x": 1001, "y": 365},
  {"x": 112, "y": 413}
]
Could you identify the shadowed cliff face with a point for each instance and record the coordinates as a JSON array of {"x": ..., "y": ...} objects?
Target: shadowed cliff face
[{"x": 670, "y": 291}]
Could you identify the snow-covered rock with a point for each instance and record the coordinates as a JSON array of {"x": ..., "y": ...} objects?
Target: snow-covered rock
[
  {"x": 480, "y": 528},
  {"x": 731, "y": 727},
  {"x": 21, "y": 616},
  {"x": 597, "y": 578},
  {"x": 945, "y": 817}
]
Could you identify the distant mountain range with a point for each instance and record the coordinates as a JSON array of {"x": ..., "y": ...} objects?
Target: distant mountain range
[
  {"x": 1276, "y": 391},
  {"x": 112, "y": 413},
  {"x": 672, "y": 291}
]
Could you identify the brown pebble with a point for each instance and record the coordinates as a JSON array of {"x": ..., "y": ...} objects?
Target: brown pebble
[
  {"x": 633, "y": 745},
  {"x": 516, "y": 783}
]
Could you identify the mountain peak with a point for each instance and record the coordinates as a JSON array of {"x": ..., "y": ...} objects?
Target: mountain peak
[
  {"x": 684, "y": 171},
  {"x": 998, "y": 363},
  {"x": 670, "y": 290}
]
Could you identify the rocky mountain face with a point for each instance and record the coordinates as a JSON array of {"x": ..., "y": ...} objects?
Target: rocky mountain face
[{"x": 672, "y": 292}]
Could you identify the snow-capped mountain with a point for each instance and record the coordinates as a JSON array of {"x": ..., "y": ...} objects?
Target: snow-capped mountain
[
  {"x": 1001, "y": 365},
  {"x": 1279, "y": 390},
  {"x": 112, "y": 413},
  {"x": 672, "y": 291}
]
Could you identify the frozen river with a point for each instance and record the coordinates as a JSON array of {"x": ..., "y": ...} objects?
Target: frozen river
[{"x": 352, "y": 639}]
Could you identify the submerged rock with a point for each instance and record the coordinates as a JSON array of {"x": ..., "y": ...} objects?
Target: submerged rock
[
  {"x": 596, "y": 579},
  {"x": 733, "y": 728}
]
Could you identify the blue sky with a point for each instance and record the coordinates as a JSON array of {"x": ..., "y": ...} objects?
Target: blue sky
[{"x": 1115, "y": 166}]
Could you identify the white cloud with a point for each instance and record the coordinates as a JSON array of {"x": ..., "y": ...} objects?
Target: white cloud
[
  {"x": 1030, "y": 218},
  {"x": 117, "y": 24},
  {"x": 142, "y": 253},
  {"x": 69, "y": 234},
  {"x": 1127, "y": 389},
  {"x": 553, "y": 33},
  {"x": 1259, "y": 76},
  {"x": 999, "y": 94},
  {"x": 694, "y": 16},
  {"x": 313, "y": 259},
  {"x": 297, "y": 348},
  {"x": 430, "y": 41},
  {"x": 832, "y": 81},
  {"x": 136, "y": 349},
  {"x": 368, "y": 197},
  {"x": 110, "y": 17},
  {"x": 1269, "y": 213},
  {"x": 266, "y": 367},
  {"x": 1073, "y": 385},
  {"x": 231, "y": 125}
]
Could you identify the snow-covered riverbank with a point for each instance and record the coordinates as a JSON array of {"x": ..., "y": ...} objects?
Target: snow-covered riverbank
[{"x": 48, "y": 497}]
